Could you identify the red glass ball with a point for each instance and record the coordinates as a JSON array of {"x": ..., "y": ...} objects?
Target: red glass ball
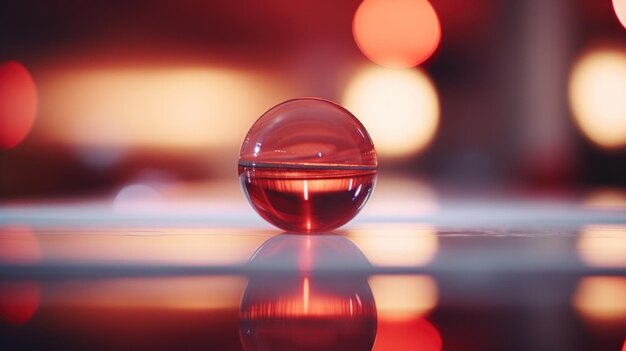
[{"x": 307, "y": 165}]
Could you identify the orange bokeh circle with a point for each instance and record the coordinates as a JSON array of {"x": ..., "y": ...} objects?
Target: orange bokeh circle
[{"x": 396, "y": 33}]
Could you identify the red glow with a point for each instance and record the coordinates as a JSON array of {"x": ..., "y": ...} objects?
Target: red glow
[
  {"x": 18, "y": 104},
  {"x": 397, "y": 33},
  {"x": 19, "y": 301},
  {"x": 407, "y": 335},
  {"x": 620, "y": 11}
]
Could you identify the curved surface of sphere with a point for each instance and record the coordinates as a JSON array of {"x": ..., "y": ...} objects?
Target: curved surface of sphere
[{"x": 307, "y": 165}]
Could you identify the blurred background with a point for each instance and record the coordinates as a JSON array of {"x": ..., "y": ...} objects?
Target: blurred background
[{"x": 151, "y": 97}]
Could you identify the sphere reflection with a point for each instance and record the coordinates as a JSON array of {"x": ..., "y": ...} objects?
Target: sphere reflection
[{"x": 295, "y": 303}]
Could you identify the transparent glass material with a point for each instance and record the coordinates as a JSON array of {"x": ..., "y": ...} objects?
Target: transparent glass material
[
  {"x": 307, "y": 165},
  {"x": 289, "y": 304}
]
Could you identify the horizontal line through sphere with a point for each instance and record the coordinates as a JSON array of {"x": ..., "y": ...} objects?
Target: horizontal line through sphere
[{"x": 293, "y": 165}]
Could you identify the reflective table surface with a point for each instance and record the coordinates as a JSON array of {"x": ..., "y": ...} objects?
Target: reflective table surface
[{"x": 459, "y": 275}]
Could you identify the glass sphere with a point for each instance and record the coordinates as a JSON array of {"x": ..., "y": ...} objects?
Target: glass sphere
[{"x": 307, "y": 165}]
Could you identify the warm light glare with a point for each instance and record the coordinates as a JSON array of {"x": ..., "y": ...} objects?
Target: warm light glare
[
  {"x": 602, "y": 299},
  {"x": 399, "y": 108},
  {"x": 18, "y": 103},
  {"x": 187, "y": 107},
  {"x": 392, "y": 244},
  {"x": 620, "y": 11},
  {"x": 603, "y": 245},
  {"x": 404, "y": 297},
  {"x": 396, "y": 33},
  {"x": 597, "y": 89}
]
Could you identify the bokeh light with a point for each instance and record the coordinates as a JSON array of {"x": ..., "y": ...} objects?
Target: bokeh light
[
  {"x": 402, "y": 244},
  {"x": 178, "y": 107},
  {"x": 601, "y": 299},
  {"x": 596, "y": 94},
  {"x": 18, "y": 103},
  {"x": 620, "y": 11},
  {"x": 603, "y": 245},
  {"x": 407, "y": 335},
  {"x": 396, "y": 33},
  {"x": 403, "y": 297},
  {"x": 399, "y": 108}
]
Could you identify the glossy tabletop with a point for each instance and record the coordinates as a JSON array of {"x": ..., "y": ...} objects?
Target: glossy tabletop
[{"x": 410, "y": 273}]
